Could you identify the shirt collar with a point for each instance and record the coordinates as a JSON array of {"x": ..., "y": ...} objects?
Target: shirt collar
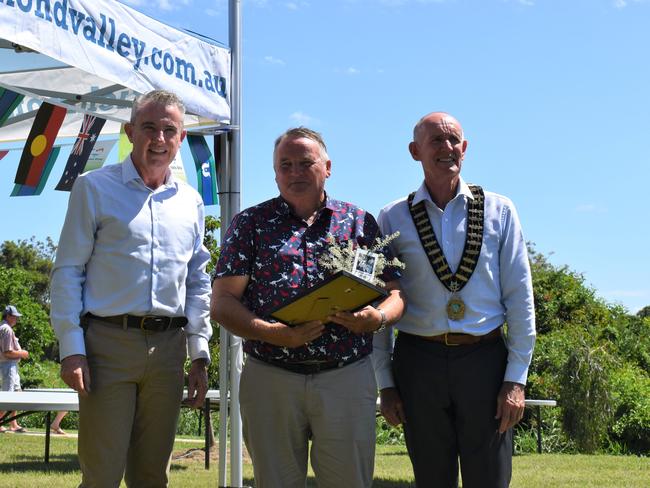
[
  {"x": 282, "y": 206},
  {"x": 129, "y": 173},
  {"x": 422, "y": 193}
]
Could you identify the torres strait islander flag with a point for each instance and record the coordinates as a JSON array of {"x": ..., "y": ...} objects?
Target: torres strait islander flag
[
  {"x": 27, "y": 190},
  {"x": 206, "y": 172},
  {"x": 90, "y": 129},
  {"x": 8, "y": 102},
  {"x": 39, "y": 144}
]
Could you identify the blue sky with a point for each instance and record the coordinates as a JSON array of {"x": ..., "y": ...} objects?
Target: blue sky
[{"x": 552, "y": 94}]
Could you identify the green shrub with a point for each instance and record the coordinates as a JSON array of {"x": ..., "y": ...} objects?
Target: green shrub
[
  {"x": 586, "y": 403},
  {"x": 631, "y": 401}
]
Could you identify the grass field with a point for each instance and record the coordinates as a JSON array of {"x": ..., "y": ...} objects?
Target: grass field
[{"x": 22, "y": 466}]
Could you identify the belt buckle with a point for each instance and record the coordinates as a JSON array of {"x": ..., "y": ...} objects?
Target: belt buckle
[
  {"x": 447, "y": 343},
  {"x": 157, "y": 320}
]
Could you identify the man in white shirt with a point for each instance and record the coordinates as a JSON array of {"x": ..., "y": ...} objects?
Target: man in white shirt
[
  {"x": 130, "y": 296},
  {"x": 456, "y": 377},
  {"x": 10, "y": 354}
]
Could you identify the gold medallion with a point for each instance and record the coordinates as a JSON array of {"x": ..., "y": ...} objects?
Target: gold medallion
[{"x": 455, "y": 308}]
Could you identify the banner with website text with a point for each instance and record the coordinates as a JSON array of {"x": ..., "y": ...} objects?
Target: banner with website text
[{"x": 119, "y": 44}]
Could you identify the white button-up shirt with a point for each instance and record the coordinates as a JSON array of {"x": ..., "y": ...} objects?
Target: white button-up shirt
[
  {"x": 128, "y": 249},
  {"x": 500, "y": 289}
]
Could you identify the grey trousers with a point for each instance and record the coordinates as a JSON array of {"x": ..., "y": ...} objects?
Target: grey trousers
[
  {"x": 128, "y": 422},
  {"x": 282, "y": 411}
]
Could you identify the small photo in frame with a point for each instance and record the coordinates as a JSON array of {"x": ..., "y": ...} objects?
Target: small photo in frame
[{"x": 364, "y": 265}]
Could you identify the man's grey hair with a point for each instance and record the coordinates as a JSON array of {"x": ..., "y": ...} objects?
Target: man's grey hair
[
  {"x": 162, "y": 97},
  {"x": 297, "y": 132}
]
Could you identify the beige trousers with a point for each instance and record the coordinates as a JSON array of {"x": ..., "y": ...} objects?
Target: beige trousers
[
  {"x": 282, "y": 411},
  {"x": 128, "y": 422}
]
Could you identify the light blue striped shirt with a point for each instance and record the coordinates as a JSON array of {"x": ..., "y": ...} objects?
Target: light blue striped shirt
[
  {"x": 499, "y": 290},
  {"x": 127, "y": 249}
]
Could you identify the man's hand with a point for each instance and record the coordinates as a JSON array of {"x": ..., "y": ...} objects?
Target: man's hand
[
  {"x": 75, "y": 373},
  {"x": 280, "y": 334},
  {"x": 391, "y": 406},
  {"x": 368, "y": 319},
  {"x": 510, "y": 405},
  {"x": 197, "y": 384}
]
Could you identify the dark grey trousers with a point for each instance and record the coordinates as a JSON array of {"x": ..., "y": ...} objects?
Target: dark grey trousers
[{"x": 449, "y": 396}]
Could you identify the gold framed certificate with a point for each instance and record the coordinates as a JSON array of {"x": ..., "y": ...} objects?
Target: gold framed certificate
[{"x": 341, "y": 292}]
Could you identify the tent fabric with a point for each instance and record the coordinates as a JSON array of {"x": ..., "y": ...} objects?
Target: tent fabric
[
  {"x": 116, "y": 43},
  {"x": 83, "y": 93}
]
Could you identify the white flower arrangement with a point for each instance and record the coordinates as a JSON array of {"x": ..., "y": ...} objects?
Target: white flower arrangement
[{"x": 341, "y": 257}]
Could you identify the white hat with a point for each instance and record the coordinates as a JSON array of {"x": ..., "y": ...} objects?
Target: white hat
[{"x": 11, "y": 310}]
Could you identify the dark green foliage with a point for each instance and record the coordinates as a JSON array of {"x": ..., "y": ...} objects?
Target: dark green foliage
[
  {"x": 631, "y": 401},
  {"x": 19, "y": 287},
  {"x": 33, "y": 257},
  {"x": 644, "y": 312},
  {"x": 212, "y": 226},
  {"x": 584, "y": 357},
  {"x": 586, "y": 402}
]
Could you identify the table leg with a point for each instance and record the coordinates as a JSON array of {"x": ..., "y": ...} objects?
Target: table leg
[
  {"x": 208, "y": 430},
  {"x": 539, "y": 429},
  {"x": 48, "y": 420}
]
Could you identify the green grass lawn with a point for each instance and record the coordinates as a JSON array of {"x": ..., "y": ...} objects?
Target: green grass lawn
[{"x": 21, "y": 465}]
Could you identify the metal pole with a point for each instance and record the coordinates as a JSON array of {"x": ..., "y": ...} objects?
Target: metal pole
[
  {"x": 224, "y": 346},
  {"x": 234, "y": 31}
]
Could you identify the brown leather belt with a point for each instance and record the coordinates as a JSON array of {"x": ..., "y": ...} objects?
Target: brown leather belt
[
  {"x": 153, "y": 323},
  {"x": 457, "y": 339}
]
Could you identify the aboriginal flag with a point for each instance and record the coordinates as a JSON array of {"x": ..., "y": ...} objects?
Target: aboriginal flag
[
  {"x": 206, "y": 171},
  {"x": 26, "y": 190},
  {"x": 8, "y": 102},
  {"x": 88, "y": 133},
  {"x": 39, "y": 144}
]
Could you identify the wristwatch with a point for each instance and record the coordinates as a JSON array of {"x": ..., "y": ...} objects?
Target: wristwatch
[{"x": 382, "y": 325}]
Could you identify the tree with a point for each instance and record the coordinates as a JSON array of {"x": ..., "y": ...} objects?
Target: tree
[
  {"x": 644, "y": 312},
  {"x": 591, "y": 357},
  {"x": 212, "y": 225},
  {"x": 33, "y": 257}
]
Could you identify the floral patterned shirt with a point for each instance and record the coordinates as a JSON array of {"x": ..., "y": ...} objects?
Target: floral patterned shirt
[{"x": 280, "y": 254}]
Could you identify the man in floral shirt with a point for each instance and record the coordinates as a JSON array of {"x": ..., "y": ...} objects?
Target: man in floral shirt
[{"x": 312, "y": 380}]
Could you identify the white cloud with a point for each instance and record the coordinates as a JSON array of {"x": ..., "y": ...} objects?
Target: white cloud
[
  {"x": 352, "y": 71},
  {"x": 272, "y": 60},
  {"x": 302, "y": 118}
]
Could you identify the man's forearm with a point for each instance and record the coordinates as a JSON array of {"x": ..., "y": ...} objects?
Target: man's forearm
[
  {"x": 19, "y": 354},
  {"x": 239, "y": 320}
]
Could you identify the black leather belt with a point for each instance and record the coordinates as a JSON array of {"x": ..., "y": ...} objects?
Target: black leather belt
[
  {"x": 153, "y": 323},
  {"x": 310, "y": 367}
]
